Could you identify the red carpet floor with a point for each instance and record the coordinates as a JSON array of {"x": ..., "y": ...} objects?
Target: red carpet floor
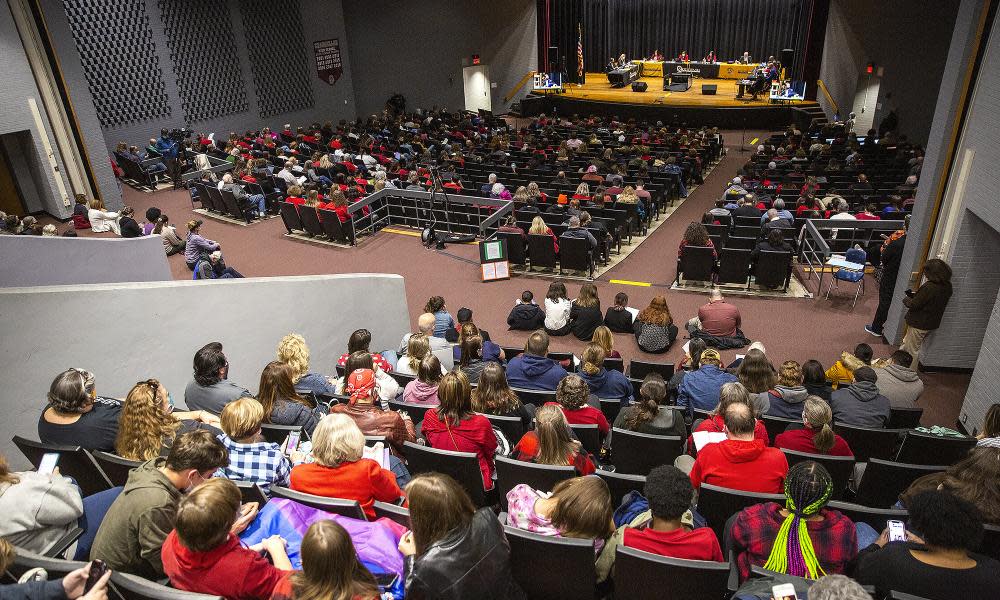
[{"x": 796, "y": 329}]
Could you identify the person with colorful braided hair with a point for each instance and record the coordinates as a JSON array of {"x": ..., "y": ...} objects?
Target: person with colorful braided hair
[{"x": 803, "y": 538}]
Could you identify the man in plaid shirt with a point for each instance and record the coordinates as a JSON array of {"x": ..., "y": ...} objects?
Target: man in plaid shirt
[{"x": 251, "y": 460}]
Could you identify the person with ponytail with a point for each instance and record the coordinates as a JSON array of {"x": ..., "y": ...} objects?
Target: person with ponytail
[
  {"x": 803, "y": 538},
  {"x": 330, "y": 568},
  {"x": 604, "y": 383},
  {"x": 651, "y": 414},
  {"x": 816, "y": 437},
  {"x": 550, "y": 443}
]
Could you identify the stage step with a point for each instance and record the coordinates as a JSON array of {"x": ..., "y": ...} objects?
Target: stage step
[{"x": 814, "y": 113}]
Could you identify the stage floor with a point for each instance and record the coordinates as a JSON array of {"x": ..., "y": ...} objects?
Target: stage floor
[{"x": 597, "y": 89}]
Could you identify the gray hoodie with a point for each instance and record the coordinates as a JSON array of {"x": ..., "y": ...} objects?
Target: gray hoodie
[
  {"x": 786, "y": 402},
  {"x": 860, "y": 405},
  {"x": 900, "y": 385}
]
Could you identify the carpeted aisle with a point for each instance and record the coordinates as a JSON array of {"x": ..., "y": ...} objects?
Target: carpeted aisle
[{"x": 797, "y": 329}]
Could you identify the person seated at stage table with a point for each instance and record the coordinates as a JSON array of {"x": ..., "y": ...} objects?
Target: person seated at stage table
[
  {"x": 622, "y": 61},
  {"x": 745, "y": 59},
  {"x": 684, "y": 56},
  {"x": 711, "y": 57},
  {"x": 656, "y": 56}
]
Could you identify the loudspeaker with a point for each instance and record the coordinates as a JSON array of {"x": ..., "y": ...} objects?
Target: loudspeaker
[
  {"x": 709, "y": 89},
  {"x": 552, "y": 58},
  {"x": 639, "y": 86},
  {"x": 787, "y": 57}
]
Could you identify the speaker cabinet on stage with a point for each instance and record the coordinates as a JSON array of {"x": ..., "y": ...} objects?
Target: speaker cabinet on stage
[
  {"x": 709, "y": 89},
  {"x": 787, "y": 58},
  {"x": 639, "y": 86}
]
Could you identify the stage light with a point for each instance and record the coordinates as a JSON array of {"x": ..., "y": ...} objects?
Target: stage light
[
  {"x": 475, "y": 59},
  {"x": 870, "y": 68}
]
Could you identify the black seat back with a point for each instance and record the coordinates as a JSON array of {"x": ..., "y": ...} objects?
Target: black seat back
[
  {"x": 540, "y": 251},
  {"x": 589, "y": 436},
  {"x": 290, "y": 217},
  {"x": 876, "y": 517},
  {"x": 540, "y": 565},
  {"x": 337, "y": 506},
  {"x": 610, "y": 407},
  {"x": 115, "y": 467},
  {"x": 905, "y": 418},
  {"x": 74, "y": 462},
  {"x": 638, "y": 369},
  {"x": 310, "y": 220},
  {"x": 276, "y": 434},
  {"x": 511, "y": 473},
  {"x": 885, "y": 480},
  {"x": 773, "y": 268},
  {"x": 869, "y": 442},
  {"x": 929, "y": 449},
  {"x": 696, "y": 264},
  {"x": 511, "y": 427},
  {"x": 575, "y": 254},
  {"x": 638, "y": 453},
  {"x": 462, "y": 466},
  {"x": 840, "y": 468},
  {"x": 134, "y": 587},
  {"x": 717, "y": 504},
  {"x": 620, "y": 484},
  {"x": 332, "y": 226},
  {"x": 747, "y": 231},
  {"x": 516, "y": 251},
  {"x": 734, "y": 265},
  {"x": 642, "y": 575},
  {"x": 393, "y": 512},
  {"x": 777, "y": 425},
  {"x": 536, "y": 397},
  {"x": 251, "y": 492},
  {"x": 615, "y": 364},
  {"x": 741, "y": 243},
  {"x": 416, "y": 411}
]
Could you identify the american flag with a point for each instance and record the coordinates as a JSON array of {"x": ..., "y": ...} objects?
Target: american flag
[{"x": 579, "y": 51}]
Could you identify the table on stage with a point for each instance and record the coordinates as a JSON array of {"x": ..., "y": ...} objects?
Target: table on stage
[
  {"x": 711, "y": 70},
  {"x": 649, "y": 68},
  {"x": 623, "y": 77}
]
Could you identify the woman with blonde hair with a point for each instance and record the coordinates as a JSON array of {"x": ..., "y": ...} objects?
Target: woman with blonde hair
[
  {"x": 101, "y": 219},
  {"x": 817, "y": 437},
  {"x": 654, "y": 327},
  {"x": 521, "y": 194},
  {"x": 417, "y": 348},
  {"x": 293, "y": 351},
  {"x": 330, "y": 568},
  {"x": 550, "y": 443},
  {"x": 582, "y": 192},
  {"x": 606, "y": 340},
  {"x": 604, "y": 383},
  {"x": 282, "y": 404},
  {"x": 148, "y": 423},
  {"x": 536, "y": 193},
  {"x": 340, "y": 471},
  {"x": 538, "y": 227}
]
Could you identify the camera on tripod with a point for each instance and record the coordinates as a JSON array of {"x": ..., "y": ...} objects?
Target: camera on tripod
[{"x": 179, "y": 135}]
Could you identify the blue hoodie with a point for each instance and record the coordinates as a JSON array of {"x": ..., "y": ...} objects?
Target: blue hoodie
[
  {"x": 531, "y": 372},
  {"x": 700, "y": 389},
  {"x": 610, "y": 385}
]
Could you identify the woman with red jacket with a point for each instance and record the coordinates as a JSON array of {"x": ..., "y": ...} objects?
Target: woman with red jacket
[
  {"x": 453, "y": 425},
  {"x": 572, "y": 394}
]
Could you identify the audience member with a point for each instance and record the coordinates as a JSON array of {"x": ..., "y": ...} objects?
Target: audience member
[
  {"x": 443, "y": 320},
  {"x": 814, "y": 380},
  {"x": 487, "y": 352},
  {"x": 990, "y": 435},
  {"x": 251, "y": 458},
  {"x": 803, "y": 539},
  {"x": 38, "y": 508},
  {"x": 576, "y": 508},
  {"x": 837, "y": 587},
  {"x": 606, "y": 340},
  {"x": 77, "y": 416},
  {"x": 730, "y": 393},
  {"x": 396, "y": 427},
  {"x": 293, "y": 351},
  {"x": 494, "y": 397},
  {"x": 203, "y": 555},
  {"x": 127, "y": 223},
  {"x": 585, "y": 313},
  {"x": 282, "y": 404},
  {"x": 756, "y": 373},
  {"x": 452, "y": 425},
  {"x": 700, "y": 388},
  {"x": 148, "y": 423},
  {"x": 330, "y": 568},
  {"x": 925, "y": 307},
  {"x": 386, "y": 388},
  {"x": 898, "y": 382},
  {"x": 360, "y": 341},
  {"x": 842, "y": 371},
  {"x": 526, "y": 314},
  {"x": 557, "y": 310},
  {"x": 197, "y": 246},
  {"x": 787, "y": 397},
  {"x": 532, "y": 370},
  {"x": 604, "y": 383},
  {"x": 101, "y": 219},
  {"x": 340, "y": 471},
  {"x": 423, "y": 389},
  {"x": 972, "y": 479},
  {"x": 213, "y": 267},
  {"x": 619, "y": 318},
  {"x": 654, "y": 327},
  {"x": 70, "y": 587},
  {"x": 439, "y": 346},
  {"x": 538, "y": 227},
  {"x": 816, "y": 436},
  {"x": 454, "y": 551},
  {"x": 717, "y": 319},
  {"x": 861, "y": 404},
  {"x": 691, "y": 361},
  {"x": 136, "y": 525},
  {"x": 741, "y": 461},
  {"x": 210, "y": 390},
  {"x": 696, "y": 236},
  {"x": 940, "y": 562},
  {"x": 550, "y": 443},
  {"x": 651, "y": 413},
  {"x": 172, "y": 243},
  {"x": 573, "y": 395},
  {"x": 417, "y": 348}
]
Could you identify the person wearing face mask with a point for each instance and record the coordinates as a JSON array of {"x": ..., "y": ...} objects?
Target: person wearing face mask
[
  {"x": 77, "y": 416},
  {"x": 139, "y": 520},
  {"x": 149, "y": 423},
  {"x": 210, "y": 390}
]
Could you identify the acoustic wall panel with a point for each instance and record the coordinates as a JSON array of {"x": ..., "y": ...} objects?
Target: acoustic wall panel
[
  {"x": 278, "y": 58},
  {"x": 115, "y": 43},
  {"x": 203, "y": 52}
]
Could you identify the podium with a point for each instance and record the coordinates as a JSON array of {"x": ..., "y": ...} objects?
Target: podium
[{"x": 493, "y": 261}]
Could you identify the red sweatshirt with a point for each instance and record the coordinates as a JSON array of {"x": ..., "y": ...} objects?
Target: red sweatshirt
[
  {"x": 801, "y": 440},
  {"x": 474, "y": 434},
  {"x": 714, "y": 423},
  {"x": 362, "y": 480},
  {"x": 586, "y": 415},
  {"x": 741, "y": 465},
  {"x": 699, "y": 544},
  {"x": 229, "y": 570}
]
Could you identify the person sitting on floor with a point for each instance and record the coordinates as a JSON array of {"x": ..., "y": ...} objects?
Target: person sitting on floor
[
  {"x": 585, "y": 314},
  {"x": 533, "y": 370},
  {"x": 654, "y": 327},
  {"x": 718, "y": 323},
  {"x": 619, "y": 318},
  {"x": 213, "y": 267},
  {"x": 842, "y": 371},
  {"x": 526, "y": 314},
  {"x": 203, "y": 555},
  {"x": 550, "y": 443}
]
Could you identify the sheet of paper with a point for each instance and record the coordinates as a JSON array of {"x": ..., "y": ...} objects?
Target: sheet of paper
[
  {"x": 687, "y": 347},
  {"x": 492, "y": 250},
  {"x": 703, "y": 438},
  {"x": 502, "y": 270},
  {"x": 633, "y": 311},
  {"x": 489, "y": 271},
  {"x": 379, "y": 453}
]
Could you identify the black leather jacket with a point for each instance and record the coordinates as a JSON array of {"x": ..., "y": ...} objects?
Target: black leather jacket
[{"x": 468, "y": 563}]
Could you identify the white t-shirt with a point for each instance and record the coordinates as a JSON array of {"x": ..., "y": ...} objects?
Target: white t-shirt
[{"x": 557, "y": 313}]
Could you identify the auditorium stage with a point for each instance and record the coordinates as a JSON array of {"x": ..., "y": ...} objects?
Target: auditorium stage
[{"x": 723, "y": 109}]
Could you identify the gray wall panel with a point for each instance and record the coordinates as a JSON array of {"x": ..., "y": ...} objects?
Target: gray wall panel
[{"x": 36, "y": 261}]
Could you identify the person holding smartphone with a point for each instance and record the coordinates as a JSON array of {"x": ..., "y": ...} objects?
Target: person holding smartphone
[
  {"x": 38, "y": 507},
  {"x": 85, "y": 583}
]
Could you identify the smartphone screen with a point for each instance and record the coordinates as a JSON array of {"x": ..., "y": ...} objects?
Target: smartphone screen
[
  {"x": 897, "y": 531},
  {"x": 48, "y": 463},
  {"x": 292, "y": 443},
  {"x": 386, "y": 580},
  {"x": 784, "y": 591},
  {"x": 97, "y": 570}
]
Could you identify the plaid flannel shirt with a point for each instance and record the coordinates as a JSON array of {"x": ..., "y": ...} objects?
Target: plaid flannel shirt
[
  {"x": 756, "y": 527},
  {"x": 262, "y": 463}
]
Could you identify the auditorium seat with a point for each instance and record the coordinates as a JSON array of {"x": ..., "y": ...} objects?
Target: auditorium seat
[
  {"x": 620, "y": 484},
  {"x": 777, "y": 425},
  {"x": 511, "y": 472},
  {"x": 551, "y": 567},
  {"x": 638, "y": 453},
  {"x": 876, "y": 517},
  {"x": 575, "y": 254},
  {"x": 74, "y": 462},
  {"x": 115, "y": 467},
  {"x": 541, "y": 254},
  {"x": 462, "y": 466},
  {"x": 928, "y": 449},
  {"x": 610, "y": 407},
  {"x": 905, "y": 418},
  {"x": 277, "y": 434},
  {"x": 841, "y": 468},
  {"x": 717, "y": 504},
  {"x": 638, "y": 369},
  {"x": 290, "y": 217},
  {"x": 251, "y": 492},
  {"x": 614, "y": 364},
  {"x": 869, "y": 442},
  {"x": 697, "y": 263},
  {"x": 589, "y": 436},
  {"x": 642, "y": 575},
  {"x": 337, "y": 506},
  {"x": 885, "y": 480},
  {"x": 134, "y": 587},
  {"x": 773, "y": 269},
  {"x": 734, "y": 265},
  {"x": 393, "y": 512},
  {"x": 511, "y": 427},
  {"x": 536, "y": 397}
]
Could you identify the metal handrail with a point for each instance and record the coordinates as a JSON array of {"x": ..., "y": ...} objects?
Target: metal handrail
[{"x": 826, "y": 93}]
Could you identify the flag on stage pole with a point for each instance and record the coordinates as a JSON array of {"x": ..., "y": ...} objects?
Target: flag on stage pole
[{"x": 579, "y": 54}]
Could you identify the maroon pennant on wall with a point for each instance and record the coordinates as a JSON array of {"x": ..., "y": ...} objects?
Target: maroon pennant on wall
[{"x": 328, "y": 64}]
